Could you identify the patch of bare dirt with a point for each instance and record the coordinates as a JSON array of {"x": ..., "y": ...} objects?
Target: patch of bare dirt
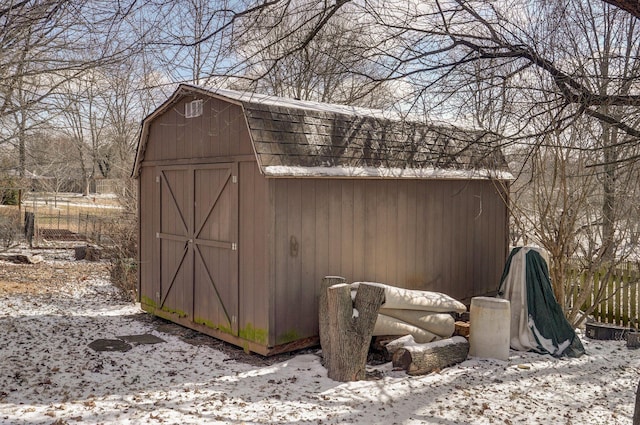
[{"x": 46, "y": 277}]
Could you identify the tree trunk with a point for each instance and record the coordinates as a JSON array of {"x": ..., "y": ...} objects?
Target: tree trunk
[
  {"x": 421, "y": 359},
  {"x": 350, "y": 329},
  {"x": 636, "y": 412},
  {"x": 323, "y": 312}
]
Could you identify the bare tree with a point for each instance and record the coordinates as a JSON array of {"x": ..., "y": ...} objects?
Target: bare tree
[
  {"x": 557, "y": 203},
  {"x": 187, "y": 40},
  {"x": 435, "y": 46},
  {"x": 83, "y": 118},
  {"x": 52, "y": 39},
  {"x": 125, "y": 102},
  {"x": 331, "y": 67},
  {"x": 631, "y": 6}
]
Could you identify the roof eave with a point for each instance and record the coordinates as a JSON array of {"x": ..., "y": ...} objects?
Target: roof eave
[{"x": 386, "y": 173}]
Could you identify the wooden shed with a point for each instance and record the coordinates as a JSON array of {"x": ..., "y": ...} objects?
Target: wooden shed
[{"x": 247, "y": 201}]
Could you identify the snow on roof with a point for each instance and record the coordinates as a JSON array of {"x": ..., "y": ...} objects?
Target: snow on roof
[{"x": 263, "y": 99}]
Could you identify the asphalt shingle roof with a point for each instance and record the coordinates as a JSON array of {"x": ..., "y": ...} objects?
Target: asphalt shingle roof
[{"x": 302, "y": 138}]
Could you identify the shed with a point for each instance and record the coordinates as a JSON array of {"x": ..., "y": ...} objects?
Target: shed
[{"x": 247, "y": 201}]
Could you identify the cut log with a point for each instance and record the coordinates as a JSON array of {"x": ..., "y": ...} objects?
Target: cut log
[
  {"x": 462, "y": 329},
  {"x": 392, "y": 346},
  {"x": 323, "y": 312},
  {"x": 421, "y": 359},
  {"x": 350, "y": 329},
  {"x": 22, "y": 259}
]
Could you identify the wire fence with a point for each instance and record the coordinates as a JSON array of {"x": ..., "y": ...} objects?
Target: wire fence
[{"x": 65, "y": 221}]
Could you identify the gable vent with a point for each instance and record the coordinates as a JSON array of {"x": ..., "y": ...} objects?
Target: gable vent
[{"x": 193, "y": 109}]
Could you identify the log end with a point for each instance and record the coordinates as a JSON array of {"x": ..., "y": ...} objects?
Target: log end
[{"x": 401, "y": 359}]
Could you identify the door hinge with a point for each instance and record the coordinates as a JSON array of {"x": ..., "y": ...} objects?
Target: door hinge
[
  {"x": 234, "y": 246},
  {"x": 157, "y": 235},
  {"x": 157, "y": 179},
  {"x": 234, "y": 179}
]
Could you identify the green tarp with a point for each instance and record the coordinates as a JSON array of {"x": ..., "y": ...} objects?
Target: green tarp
[{"x": 537, "y": 320}]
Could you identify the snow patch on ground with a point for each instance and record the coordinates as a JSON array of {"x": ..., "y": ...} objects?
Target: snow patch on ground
[{"x": 48, "y": 375}]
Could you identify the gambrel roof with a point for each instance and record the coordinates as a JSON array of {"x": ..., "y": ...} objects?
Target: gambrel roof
[{"x": 311, "y": 139}]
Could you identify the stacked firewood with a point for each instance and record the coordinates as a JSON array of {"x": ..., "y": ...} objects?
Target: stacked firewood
[{"x": 351, "y": 314}]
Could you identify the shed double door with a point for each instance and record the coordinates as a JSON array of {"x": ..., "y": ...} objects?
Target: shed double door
[{"x": 198, "y": 230}]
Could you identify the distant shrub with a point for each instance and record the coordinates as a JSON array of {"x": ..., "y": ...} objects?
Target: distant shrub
[
  {"x": 9, "y": 197},
  {"x": 9, "y": 227},
  {"x": 121, "y": 248},
  {"x": 121, "y": 252}
]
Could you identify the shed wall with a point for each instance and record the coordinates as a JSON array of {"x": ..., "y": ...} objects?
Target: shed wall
[
  {"x": 254, "y": 284},
  {"x": 447, "y": 236}
]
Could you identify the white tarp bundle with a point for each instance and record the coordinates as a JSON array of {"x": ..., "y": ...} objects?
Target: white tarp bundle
[{"x": 425, "y": 315}]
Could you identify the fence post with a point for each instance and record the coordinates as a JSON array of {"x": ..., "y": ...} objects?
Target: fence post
[
  {"x": 596, "y": 289},
  {"x": 29, "y": 226},
  {"x": 633, "y": 303},
  {"x": 626, "y": 321},
  {"x": 610, "y": 294}
]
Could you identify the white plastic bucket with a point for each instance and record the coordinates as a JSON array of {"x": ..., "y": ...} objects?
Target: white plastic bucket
[{"x": 489, "y": 331}]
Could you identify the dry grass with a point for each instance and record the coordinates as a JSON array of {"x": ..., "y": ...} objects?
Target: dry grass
[
  {"x": 10, "y": 228},
  {"x": 101, "y": 219},
  {"x": 45, "y": 278}
]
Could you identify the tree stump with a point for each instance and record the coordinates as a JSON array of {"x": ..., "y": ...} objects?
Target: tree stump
[
  {"x": 420, "y": 359},
  {"x": 87, "y": 252},
  {"x": 323, "y": 311},
  {"x": 350, "y": 329},
  {"x": 93, "y": 253}
]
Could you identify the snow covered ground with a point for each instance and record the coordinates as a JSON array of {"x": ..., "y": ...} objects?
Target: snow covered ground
[{"x": 49, "y": 375}]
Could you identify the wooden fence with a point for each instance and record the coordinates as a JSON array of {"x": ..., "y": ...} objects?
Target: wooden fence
[{"x": 620, "y": 303}]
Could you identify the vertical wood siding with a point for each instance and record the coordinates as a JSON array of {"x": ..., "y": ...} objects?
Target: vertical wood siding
[
  {"x": 148, "y": 283},
  {"x": 219, "y": 132},
  {"x": 447, "y": 236},
  {"x": 216, "y": 263},
  {"x": 254, "y": 284},
  {"x": 176, "y": 262}
]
